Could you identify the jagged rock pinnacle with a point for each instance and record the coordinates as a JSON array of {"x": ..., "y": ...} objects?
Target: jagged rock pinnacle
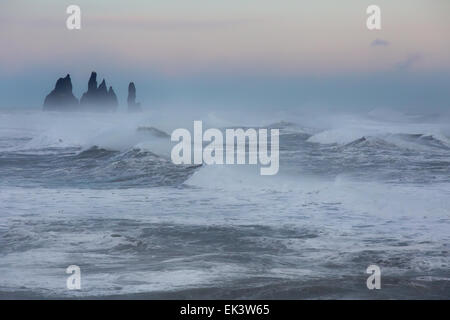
[
  {"x": 61, "y": 98},
  {"x": 98, "y": 98},
  {"x": 133, "y": 106}
]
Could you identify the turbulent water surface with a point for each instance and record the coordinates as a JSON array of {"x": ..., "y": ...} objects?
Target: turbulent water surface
[{"x": 100, "y": 192}]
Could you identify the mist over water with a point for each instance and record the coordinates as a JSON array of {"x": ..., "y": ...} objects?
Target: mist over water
[{"x": 100, "y": 191}]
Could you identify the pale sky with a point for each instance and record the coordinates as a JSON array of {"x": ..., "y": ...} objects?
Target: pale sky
[{"x": 200, "y": 41}]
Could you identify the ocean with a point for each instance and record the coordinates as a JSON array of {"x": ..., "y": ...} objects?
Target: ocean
[{"x": 100, "y": 191}]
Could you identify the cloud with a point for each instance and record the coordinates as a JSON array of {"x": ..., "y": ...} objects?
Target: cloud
[
  {"x": 409, "y": 61},
  {"x": 380, "y": 43}
]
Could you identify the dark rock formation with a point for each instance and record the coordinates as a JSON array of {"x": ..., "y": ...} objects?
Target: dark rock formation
[
  {"x": 90, "y": 96},
  {"x": 61, "y": 98},
  {"x": 102, "y": 91},
  {"x": 92, "y": 84},
  {"x": 133, "y": 106},
  {"x": 98, "y": 99},
  {"x": 112, "y": 98},
  {"x": 95, "y": 98}
]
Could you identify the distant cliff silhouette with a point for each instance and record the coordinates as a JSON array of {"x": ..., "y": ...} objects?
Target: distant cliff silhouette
[
  {"x": 133, "y": 106},
  {"x": 94, "y": 99},
  {"x": 61, "y": 98},
  {"x": 99, "y": 99}
]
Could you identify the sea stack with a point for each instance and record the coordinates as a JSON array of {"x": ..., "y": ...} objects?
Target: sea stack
[
  {"x": 112, "y": 98},
  {"x": 98, "y": 98},
  {"x": 61, "y": 98},
  {"x": 133, "y": 106}
]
